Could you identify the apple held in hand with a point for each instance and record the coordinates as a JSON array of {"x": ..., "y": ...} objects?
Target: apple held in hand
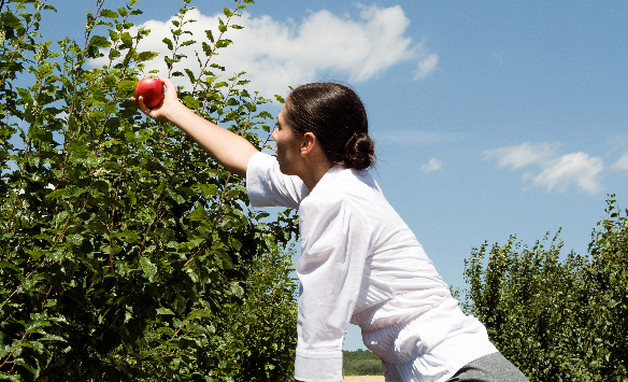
[{"x": 152, "y": 90}]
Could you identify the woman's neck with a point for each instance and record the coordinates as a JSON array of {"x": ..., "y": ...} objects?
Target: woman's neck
[
  {"x": 314, "y": 163},
  {"x": 315, "y": 174}
]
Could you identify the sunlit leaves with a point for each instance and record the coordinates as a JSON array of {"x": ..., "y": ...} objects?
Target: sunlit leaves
[
  {"x": 125, "y": 252},
  {"x": 560, "y": 318}
]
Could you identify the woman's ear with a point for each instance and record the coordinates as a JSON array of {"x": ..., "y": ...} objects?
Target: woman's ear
[{"x": 308, "y": 143}]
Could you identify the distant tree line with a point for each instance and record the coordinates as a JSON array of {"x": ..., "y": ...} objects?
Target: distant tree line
[{"x": 362, "y": 362}]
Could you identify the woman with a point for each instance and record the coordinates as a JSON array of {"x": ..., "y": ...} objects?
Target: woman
[{"x": 359, "y": 262}]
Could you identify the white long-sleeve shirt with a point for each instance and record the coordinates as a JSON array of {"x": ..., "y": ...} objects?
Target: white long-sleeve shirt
[{"x": 361, "y": 263}]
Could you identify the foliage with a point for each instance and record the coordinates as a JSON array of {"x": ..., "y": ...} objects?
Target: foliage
[
  {"x": 125, "y": 252},
  {"x": 362, "y": 362},
  {"x": 558, "y": 320}
]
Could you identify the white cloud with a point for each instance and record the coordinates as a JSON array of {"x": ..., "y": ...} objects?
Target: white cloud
[
  {"x": 551, "y": 170},
  {"x": 278, "y": 54},
  {"x": 426, "y": 66},
  {"x": 575, "y": 168},
  {"x": 433, "y": 165},
  {"x": 524, "y": 154},
  {"x": 622, "y": 163}
]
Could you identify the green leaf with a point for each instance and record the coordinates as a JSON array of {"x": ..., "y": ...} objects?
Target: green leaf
[
  {"x": 210, "y": 35},
  {"x": 108, "y": 13},
  {"x": 198, "y": 214},
  {"x": 99, "y": 42},
  {"x": 237, "y": 290},
  {"x": 168, "y": 43},
  {"x": 165, "y": 311},
  {"x": 146, "y": 56},
  {"x": 149, "y": 269},
  {"x": 126, "y": 38}
]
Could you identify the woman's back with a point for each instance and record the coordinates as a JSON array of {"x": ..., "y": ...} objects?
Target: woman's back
[{"x": 407, "y": 314}]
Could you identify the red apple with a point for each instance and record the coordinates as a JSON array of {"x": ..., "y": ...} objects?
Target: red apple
[{"x": 152, "y": 90}]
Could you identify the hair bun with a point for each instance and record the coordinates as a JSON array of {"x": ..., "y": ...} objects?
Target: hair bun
[{"x": 359, "y": 151}]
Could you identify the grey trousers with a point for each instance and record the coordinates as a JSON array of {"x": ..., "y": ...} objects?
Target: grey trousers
[{"x": 491, "y": 368}]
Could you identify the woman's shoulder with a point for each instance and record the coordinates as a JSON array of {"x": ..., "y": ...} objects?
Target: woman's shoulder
[
  {"x": 347, "y": 187},
  {"x": 267, "y": 186}
]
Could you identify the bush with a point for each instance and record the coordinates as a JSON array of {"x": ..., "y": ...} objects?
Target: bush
[
  {"x": 557, "y": 320},
  {"x": 125, "y": 252}
]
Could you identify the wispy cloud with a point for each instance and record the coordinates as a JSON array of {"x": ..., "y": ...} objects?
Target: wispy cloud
[
  {"x": 549, "y": 169},
  {"x": 622, "y": 163},
  {"x": 277, "y": 54},
  {"x": 433, "y": 165},
  {"x": 523, "y": 154},
  {"x": 575, "y": 168},
  {"x": 426, "y": 66}
]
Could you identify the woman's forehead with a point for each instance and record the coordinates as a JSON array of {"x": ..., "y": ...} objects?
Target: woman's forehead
[{"x": 280, "y": 116}]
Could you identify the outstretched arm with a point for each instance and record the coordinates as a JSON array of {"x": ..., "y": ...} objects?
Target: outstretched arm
[{"x": 229, "y": 149}]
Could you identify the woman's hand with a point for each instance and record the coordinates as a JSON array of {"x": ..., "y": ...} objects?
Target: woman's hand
[{"x": 164, "y": 110}]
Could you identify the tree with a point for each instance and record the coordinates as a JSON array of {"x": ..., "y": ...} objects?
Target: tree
[
  {"x": 557, "y": 319},
  {"x": 125, "y": 252}
]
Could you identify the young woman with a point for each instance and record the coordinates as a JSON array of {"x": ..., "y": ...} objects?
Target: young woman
[{"x": 360, "y": 262}]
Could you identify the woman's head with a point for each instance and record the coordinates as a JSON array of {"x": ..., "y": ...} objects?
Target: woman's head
[{"x": 336, "y": 116}]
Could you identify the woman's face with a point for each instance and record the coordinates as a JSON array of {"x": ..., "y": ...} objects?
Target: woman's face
[{"x": 287, "y": 146}]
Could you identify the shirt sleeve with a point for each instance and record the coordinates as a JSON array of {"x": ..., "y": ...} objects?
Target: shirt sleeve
[
  {"x": 335, "y": 244},
  {"x": 267, "y": 186}
]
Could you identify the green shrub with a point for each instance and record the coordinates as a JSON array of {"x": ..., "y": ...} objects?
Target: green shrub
[
  {"x": 557, "y": 319},
  {"x": 125, "y": 252}
]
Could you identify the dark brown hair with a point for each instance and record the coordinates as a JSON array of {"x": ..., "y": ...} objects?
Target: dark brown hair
[{"x": 336, "y": 116}]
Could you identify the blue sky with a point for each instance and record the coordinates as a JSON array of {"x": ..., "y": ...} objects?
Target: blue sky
[{"x": 491, "y": 118}]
